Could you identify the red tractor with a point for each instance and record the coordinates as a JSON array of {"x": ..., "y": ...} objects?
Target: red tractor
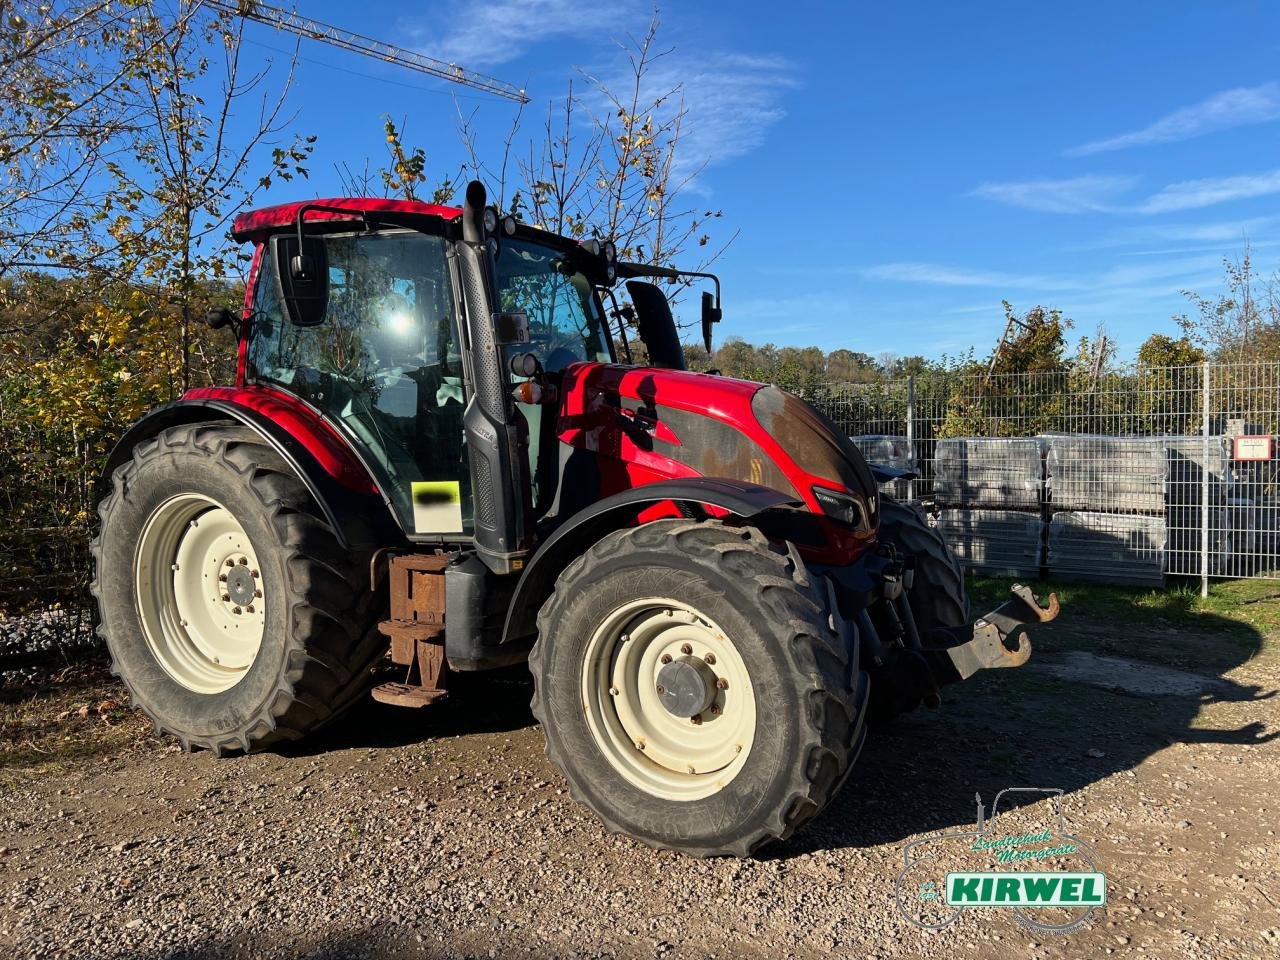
[{"x": 435, "y": 460}]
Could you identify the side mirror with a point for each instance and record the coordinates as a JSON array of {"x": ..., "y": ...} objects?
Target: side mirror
[
  {"x": 511, "y": 328},
  {"x": 219, "y": 317},
  {"x": 302, "y": 272},
  {"x": 711, "y": 313}
]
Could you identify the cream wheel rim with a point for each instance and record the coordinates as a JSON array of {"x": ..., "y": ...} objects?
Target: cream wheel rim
[
  {"x": 199, "y": 593},
  {"x": 667, "y": 755}
]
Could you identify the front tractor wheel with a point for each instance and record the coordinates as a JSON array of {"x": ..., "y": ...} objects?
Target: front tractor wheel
[
  {"x": 233, "y": 616},
  {"x": 692, "y": 688}
]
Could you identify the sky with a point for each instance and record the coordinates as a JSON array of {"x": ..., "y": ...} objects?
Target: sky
[{"x": 894, "y": 170}]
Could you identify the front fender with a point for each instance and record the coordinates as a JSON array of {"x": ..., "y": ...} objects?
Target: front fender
[
  {"x": 349, "y": 500},
  {"x": 573, "y": 536}
]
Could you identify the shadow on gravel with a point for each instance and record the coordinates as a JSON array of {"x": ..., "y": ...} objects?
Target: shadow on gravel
[
  {"x": 365, "y": 945},
  {"x": 495, "y": 702},
  {"x": 1031, "y": 727}
]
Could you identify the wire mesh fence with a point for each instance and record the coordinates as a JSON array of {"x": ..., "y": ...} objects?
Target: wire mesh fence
[{"x": 1127, "y": 475}]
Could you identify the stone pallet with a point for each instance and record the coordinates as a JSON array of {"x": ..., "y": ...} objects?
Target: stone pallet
[
  {"x": 1107, "y": 547},
  {"x": 994, "y": 541},
  {"x": 1106, "y": 474},
  {"x": 1003, "y": 473}
]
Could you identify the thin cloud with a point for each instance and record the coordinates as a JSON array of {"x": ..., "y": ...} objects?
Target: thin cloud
[
  {"x": 1194, "y": 194},
  {"x": 730, "y": 102},
  {"x": 940, "y": 275},
  {"x": 1098, "y": 194},
  {"x": 1090, "y": 194},
  {"x": 1231, "y": 108},
  {"x": 490, "y": 34}
]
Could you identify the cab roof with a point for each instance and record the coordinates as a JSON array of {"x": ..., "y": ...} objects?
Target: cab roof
[{"x": 257, "y": 224}]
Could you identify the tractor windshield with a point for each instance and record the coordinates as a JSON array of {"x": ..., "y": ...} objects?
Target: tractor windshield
[{"x": 565, "y": 323}]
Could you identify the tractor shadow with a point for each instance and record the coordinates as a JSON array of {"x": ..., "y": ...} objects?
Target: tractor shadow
[
  {"x": 490, "y": 702},
  {"x": 1098, "y": 698}
]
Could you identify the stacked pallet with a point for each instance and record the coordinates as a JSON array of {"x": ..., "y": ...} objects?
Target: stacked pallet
[
  {"x": 1108, "y": 498},
  {"x": 889, "y": 451},
  {"x": 1123, "y": 489},
  {"x": 999, "y": 542},
  {"x": 990, "y": 492},
  {"x": 1107, "y": 547},
  {"x": 1107, "y": 475},
  {"x": 1005, "y": 473}
]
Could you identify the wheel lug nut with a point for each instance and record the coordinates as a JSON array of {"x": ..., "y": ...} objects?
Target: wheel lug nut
[
  {"x": 710, "y": 658},
  {"x": 258, "y": 594},
  {"x": 236, "y": 610},
  {"x": 249, "y": 609},
  {"x": 222, "y": 578},
  {"x": 715, "y": 708},
  {"x": 686, "y": 649},
  {"x": 231, "y": 563},
  {"x": 244, "y": 562},
  {"x": 226, "y": 598},
  {"x": 665, "y": 658},
  {"x": 722, "y": 683},
  {"x": 696, "y": 719},
  {"x": 254, "y": 574}
]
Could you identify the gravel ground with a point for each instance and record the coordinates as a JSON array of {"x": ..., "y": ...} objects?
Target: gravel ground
[{"x": 447, "y": 833}]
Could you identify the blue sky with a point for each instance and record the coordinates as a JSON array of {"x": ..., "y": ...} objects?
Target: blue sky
[{"x": 895, "y": 169}]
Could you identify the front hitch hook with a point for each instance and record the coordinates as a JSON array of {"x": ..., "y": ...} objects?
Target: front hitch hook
[{"x": 997, "y": 640}]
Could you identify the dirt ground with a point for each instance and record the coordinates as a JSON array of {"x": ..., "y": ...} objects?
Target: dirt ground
[{"x": 448, "y": 833}]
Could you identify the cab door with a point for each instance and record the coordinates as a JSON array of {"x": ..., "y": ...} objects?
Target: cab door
[{"x": 384, "y": 367}]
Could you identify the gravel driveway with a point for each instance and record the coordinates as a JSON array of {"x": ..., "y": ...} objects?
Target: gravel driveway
[{"x": 447, "y": 833}]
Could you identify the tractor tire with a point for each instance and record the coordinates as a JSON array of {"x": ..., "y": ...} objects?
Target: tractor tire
[
  {"x": 937, "y": 595},
  {"x": 233, "y": 616},
  {"x": 750, "y": 645}
]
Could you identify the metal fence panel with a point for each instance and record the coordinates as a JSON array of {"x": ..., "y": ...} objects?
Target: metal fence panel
[{"x": 1193, "y": 447}]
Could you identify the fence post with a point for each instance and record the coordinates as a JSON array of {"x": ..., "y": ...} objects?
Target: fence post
[
  {"x": 911, "y": 432},
  {"x": 1204, "y": 486}
]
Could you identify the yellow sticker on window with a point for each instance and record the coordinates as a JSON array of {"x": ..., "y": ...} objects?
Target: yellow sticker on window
[{"x": 437, "y": 506}]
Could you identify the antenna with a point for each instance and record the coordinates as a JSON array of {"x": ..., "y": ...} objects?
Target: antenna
[{"x": 293, "y": 22}]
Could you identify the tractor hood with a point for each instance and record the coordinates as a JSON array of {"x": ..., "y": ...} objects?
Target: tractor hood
[{"x": 646, "y": 424}]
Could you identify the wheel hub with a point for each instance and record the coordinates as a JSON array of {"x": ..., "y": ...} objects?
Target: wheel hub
[
  {"x": 686, "y": 686},
  {"x": 241, "y": 585}
]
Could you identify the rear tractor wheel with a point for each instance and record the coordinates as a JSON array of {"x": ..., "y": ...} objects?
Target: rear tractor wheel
[
  {"x": 692, "y": 689},
  {"x": 231, "y": 612}
]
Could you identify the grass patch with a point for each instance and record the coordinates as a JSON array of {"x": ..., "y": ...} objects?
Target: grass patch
[{"x": 1235, "y": 609}]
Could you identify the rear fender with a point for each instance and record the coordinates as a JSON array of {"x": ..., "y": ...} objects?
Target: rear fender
[
  {"x": 762, "y": 506},
  {"x": 337, "y": 481}
]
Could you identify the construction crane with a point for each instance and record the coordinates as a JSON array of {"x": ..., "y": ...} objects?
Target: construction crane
[{"x": 293, "y": 22}]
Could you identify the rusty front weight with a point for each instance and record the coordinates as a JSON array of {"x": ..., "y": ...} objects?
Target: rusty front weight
[{"x": 987, "y": 645}]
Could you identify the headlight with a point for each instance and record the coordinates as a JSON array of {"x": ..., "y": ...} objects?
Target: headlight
[
  {"x": 490, "y": 219},
  {"x": 509, "y": 226},
  {"x": 840, "y": 506},
  {"x": 610, "y": 251}
]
